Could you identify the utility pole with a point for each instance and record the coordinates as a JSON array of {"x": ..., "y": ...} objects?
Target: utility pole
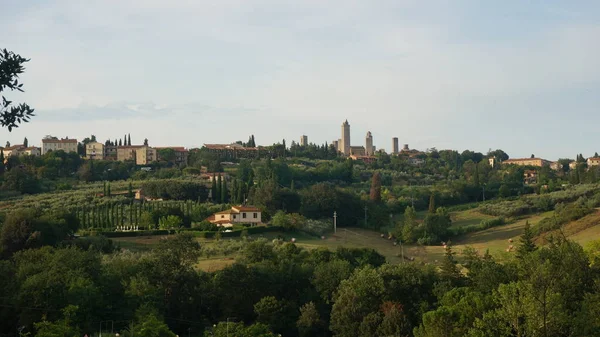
[
  {"x": 366, "y": 208},
  {"x": 334, "y": 222}
]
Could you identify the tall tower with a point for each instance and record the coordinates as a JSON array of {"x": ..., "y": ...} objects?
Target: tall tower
[
  {"x": 395, "y": 145},
  {"x": 304, "y": 140},
  {"x": 345, "y": 141},
  {"x": 369, "y": 144}
]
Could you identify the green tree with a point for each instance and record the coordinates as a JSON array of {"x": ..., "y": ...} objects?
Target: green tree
[
  {"x": 448, "y": 270},
  {"x": 526, "y": 244},
  {"x": 356, "y": 298},
  {"x": 219, "y": 190},
  {"x": 432, "y": 203},
  {"x": 11, "y": 66},
  {"x": 224, "y": 192},
  {"x": 213, "y": 190},
  {"x": 61, "y": 328},
  {"x": 504, "y": 191},
  {"x": 309, "y": 323},
  {"x": 148, "y": 324},
  {"x": 2, "y": 167},
  {"x": 130, "y": 190},
  {"x": 328, "y": 275},
  {"x": 167, "y": 155},
  {"x": 170, "y": 222},
  {"x": 25, "y": 142},
  {"x": 409, "y": 225}
]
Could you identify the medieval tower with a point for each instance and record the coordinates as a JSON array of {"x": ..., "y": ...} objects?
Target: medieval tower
[
  {"x": 345, "y": 141},
  {"x": 369, "y": 144}
]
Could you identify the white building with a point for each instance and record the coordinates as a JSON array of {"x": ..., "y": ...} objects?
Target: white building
[{"x": 237, "y": 214}]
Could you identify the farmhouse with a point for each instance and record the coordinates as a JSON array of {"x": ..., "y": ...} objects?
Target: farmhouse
[{"x": 237, "y": 214}]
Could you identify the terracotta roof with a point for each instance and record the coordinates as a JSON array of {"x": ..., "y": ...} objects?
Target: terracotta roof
[
  {"x": 59, "y": 140},
  {"x": 246, "y": 209},
  {"x": 31, "y": 148},
  {"x": 594, "y": 158},
  {"x": 14, "y": 147}
]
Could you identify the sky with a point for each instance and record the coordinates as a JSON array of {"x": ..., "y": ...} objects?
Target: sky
[{"x": 517, "y": 75}]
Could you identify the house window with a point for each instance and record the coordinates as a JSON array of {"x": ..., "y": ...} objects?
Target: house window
[
  {"x": 255, "y": 215},
  {"x": 222, "y": 216},
  {"x": 244, "y": 215},
  {"x": 234, "y": 216}
]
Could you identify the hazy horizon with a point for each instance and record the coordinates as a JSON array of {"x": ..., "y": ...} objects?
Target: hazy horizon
[{"x": 519, "y": 76}]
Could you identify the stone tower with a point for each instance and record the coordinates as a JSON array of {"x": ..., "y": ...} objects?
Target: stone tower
[
  {"x": 369, "y": 144},
  {"x": 345, "y": 141},
  {"x": 395, "y": 145}
]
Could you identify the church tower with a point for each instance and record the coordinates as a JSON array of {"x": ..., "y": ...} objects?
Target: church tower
[
  {"x": 369, "y": 144},
  {"x": 345, "y": 141}
]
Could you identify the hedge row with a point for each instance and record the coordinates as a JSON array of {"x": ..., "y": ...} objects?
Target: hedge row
[
  {"x": 205, "y": 234},
  {"x": 483, "y": 225}
]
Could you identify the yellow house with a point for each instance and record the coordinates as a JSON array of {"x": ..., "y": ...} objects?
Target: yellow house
[
  {"x": 237, "y": 214},
  {"x": 145, "y": 155},
  {"x": 593, "y": 161},
  {"x": 126, "y": 152},
  {"x": 94, "y": 150},
  {"x": 539, "y": 162},
  {"x": 55, "y": 144}
]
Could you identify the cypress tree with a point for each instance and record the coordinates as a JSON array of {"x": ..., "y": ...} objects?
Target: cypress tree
[
  {"x": 122, "y": 216},
  {"x": 120, "y": 142},
  {"x": 240, "y": 191},
  {"x": 130, "y": 190},
  {"x": 432, "y": 203},
  {"x": 2, "y": 167},
  {"x": 224, "y": 192},
  {"x": 448, "y": 269},
  {"x": 104, "y": 191},
  {"x": 292, "y": 187},
  {"x": 129, "y": 139},
  {"x": 213, "y": 190},
  {"x": 526, "y": 244},
  {"x": 131, "y": 213},
  {"x": 219, "y": 188},
  {"x": 234, "y": 193},
  {"x": 108, "y": 189}
]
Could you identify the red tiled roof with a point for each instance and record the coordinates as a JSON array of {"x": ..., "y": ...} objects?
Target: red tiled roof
[
  {"x": 246, "y": 209},
  {"x": 14, "y": 147},
  {"x": 59, "y": 140}
]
